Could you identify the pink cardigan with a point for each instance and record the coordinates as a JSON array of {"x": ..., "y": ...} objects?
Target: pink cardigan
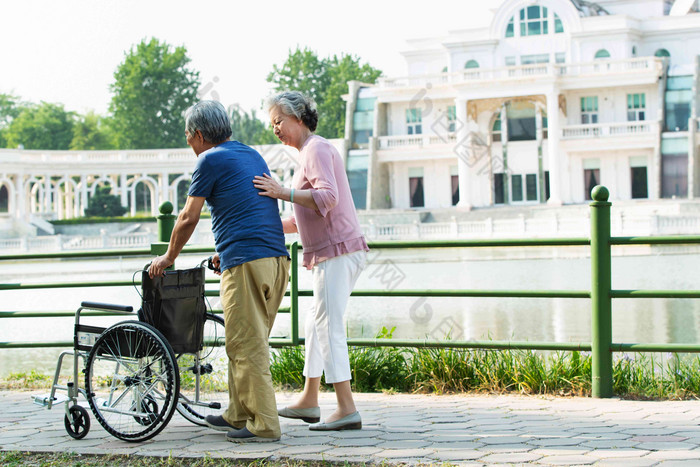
[{"x": 333, "y": 229}]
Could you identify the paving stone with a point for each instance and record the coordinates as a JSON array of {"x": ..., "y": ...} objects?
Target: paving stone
[
  {"x": 511, "y": 458},
  {"x": 550, "y": 442},
  {"x": 404, "y": 436},
  {"x": 403, "y": 453},
  {"x": 613, "y": 453},
  {"x": 403, "y": 444},
  {"x": 674, "y": 454},
  {"x": 502, "y": 448},
  {"x": 303, "y": 449},
  {"x": 297, "y": 441},
  {"x": 658, "y": 439},
  {"x": 355, "y": 451},
  {"x": 568, "y": 460},
  {"x": 609, "y": 444},
  {"x": 359, "y": 442},
  {"x": 452, "y": 455},
  {"x": 627, "y": 462}
]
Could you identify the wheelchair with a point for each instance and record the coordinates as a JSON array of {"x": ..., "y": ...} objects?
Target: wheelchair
[{"x": 134, "y": 381}]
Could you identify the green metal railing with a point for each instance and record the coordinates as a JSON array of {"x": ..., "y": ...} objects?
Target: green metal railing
[{"x": 600, "y": 294}]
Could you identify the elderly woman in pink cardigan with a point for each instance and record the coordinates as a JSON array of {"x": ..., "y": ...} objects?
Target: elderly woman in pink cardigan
[{"x": 334, "y": 250}]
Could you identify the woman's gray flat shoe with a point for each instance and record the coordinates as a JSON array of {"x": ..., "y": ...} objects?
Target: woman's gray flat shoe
[
  {"x": 349, "y": 422},
  {"x": 310, "y": 415}
]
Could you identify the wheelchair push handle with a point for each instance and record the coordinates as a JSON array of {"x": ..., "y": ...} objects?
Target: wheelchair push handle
[
  {"x": 210, "y": 264},
  {"x": 107, "y": 306}
]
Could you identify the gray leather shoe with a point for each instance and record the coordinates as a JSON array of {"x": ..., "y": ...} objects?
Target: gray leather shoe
[
  {"x": 349, "y": 422},
  {"x": 311, "y": 415}
]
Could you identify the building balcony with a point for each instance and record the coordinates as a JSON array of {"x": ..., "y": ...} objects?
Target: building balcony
[
  {"x": 611, "y": 130},
  {"x": 614, "y": 135},
  {"x": 415, "y": 141},
  {"x": 567, "y": 75}
]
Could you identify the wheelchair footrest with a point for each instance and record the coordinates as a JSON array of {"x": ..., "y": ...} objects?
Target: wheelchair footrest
[{"x": 43, "y": 399}]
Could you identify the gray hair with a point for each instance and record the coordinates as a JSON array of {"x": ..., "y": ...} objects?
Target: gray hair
[
  {"x": 211, "y": 119},
  {"x": 295, "y": 103}
]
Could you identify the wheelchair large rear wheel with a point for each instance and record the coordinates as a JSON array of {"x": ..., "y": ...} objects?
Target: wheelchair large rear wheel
[
  {"x": 131, "y": 379},
  {"x": 204, "y": 376}
]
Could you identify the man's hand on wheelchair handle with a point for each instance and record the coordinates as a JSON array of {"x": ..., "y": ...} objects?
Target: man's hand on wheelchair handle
[
  {"x": 216, "y": 262},
  {"x": 159, "y": 265}
]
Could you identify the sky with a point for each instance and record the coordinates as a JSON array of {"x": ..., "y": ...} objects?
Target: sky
[{"x": 66, "y": 51}]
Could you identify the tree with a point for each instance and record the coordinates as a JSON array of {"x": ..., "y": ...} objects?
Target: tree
[
  {"x": 92, "y": 132},
  {"x": 325, "y": 80},
  {"x": 104, "y": 204},
  {"x": 43, "y": 126},
  {"x": 152, "y": 88},
  {"x": 10, "y": 107},
  {"x": 248, "y": 129}
]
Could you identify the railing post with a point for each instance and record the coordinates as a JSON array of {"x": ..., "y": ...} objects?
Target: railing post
[
  {"x": 601, "y": 303},
  {"x": 166, "y": 222},
  {"x": 294, "y": 294}
]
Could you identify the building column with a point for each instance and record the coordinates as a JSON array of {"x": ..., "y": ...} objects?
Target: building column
[
  {"x": 553, "y": 135},
  {"x": 20, "y": 197},
  {"x": 504, "y": 148},
  {"x": 540, "y": 162},
  {"x": 47, "y": 194},
  {"x": 123, "y": 190},
  {"x": 83, "y": 194},
  {"x": 378, "y": 183},
  {"x": 164, "y": 192},
  {"x": 462, "y": 166}
]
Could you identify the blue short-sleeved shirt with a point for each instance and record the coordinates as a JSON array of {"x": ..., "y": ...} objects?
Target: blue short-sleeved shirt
[{"x": 246, "y": 226}]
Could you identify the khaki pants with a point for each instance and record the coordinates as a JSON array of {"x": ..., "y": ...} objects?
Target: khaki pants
[{"x": 251, "y": 294}]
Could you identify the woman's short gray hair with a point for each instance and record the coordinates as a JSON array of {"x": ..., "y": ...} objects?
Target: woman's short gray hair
[
  {"x": 297, "y": 104},
  {"x": 211, "y": 119}
]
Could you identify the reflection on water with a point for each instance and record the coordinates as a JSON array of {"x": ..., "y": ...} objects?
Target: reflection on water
[{"x": 533, "y": 319}]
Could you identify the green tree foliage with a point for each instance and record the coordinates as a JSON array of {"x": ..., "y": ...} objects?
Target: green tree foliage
[
  {"x": 152, "y": 88},
  {"x": 43, "y": 126},
  {"x": 104, "y": 204},
  {"x": 249, "y": 129},
  {"x": 325, "y": 80},
  {"x": 9, "y": 109},
  {"x": 92, "y": 132}
]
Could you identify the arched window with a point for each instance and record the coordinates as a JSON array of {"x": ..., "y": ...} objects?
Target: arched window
[
  {"x": 533, "y": 21},
  {"x": 662, "y": 53},
  {"x": 634, "y": 50},
  {"x": 471, "y": 64},
  {"x": 510, "y": 29},
  {"x": 4, "y": 199},
  {"x": 444, "y": 69},
  {"x": 558, "y": 25},
  {"x": 602, "y": 53},
  {"x": 496, "y": 129}
]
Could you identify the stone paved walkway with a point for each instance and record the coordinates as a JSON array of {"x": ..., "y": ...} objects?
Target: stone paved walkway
[{"x": 412, "y": 429}]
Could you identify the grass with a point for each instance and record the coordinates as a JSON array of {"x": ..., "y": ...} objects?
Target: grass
[{"x": 17, "y": 458}]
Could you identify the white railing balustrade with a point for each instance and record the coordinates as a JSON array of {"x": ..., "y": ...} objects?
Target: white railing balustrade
[
  {"x": 519, "y": 227},
  {"x": 562, "y": 70},
  {"x": 418, "y": 141},
  {"x": 606, "y": 130}
]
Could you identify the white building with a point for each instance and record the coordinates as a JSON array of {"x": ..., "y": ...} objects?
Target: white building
[{"x": 550, "y": 99}]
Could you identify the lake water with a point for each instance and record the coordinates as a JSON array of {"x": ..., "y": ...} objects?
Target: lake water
[{"x": 560, "y": 320}]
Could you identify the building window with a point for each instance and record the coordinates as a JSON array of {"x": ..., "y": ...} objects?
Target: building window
[
  {"x": 634, "y": 50},
  {"x": 531, "y": 187},
  {"x": 444, "y": 69},
  {"x": 558, "y": 26},
  {"x": 498, "y": 188},
  {"x": 516, "y": 183},
  {"x": 533, "y": 21},
  {"x": 636, "y": 107},
  {"x": 452, "y": 117},
  {"x": 522, "y": 124},
  {"x": 560, "y": 57},
  {"x": 4, "y": 199},
  {"x": 602, "y": 53},
  {"x": 415, "y": 187},
  {"x": 510, "y": 29},
  {"x": 496, "y": 129},
  {"x": 357, "y": 178},
  {"x": 510, "y": 61},
  {"x": 471, "y": 64},
  {"x": 662, "y": 53},
  {"x": 589, "y": 110},
  {"x": 639, "y": 182},
  {"x": 591, "y": 178},
  {"x": 413, "y": 121},
  {"x": 679, "y": 95},
  {"x": 674, "y": 167},
  {"x": 534, "y": 59},
  {"x": 455, "y": 189},
  {"x": 546, "y": 184}
]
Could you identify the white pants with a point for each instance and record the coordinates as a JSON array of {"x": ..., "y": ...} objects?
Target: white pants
[{"x": 326, "y": 343}]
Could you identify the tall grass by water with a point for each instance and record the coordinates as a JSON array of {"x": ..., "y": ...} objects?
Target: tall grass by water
[{"x": 449, "y": 370}]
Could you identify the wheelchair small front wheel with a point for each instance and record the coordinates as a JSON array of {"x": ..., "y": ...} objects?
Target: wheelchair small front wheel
[
  {"x": 132, "y": 381},
  {"x": 77, "y": 422}
]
